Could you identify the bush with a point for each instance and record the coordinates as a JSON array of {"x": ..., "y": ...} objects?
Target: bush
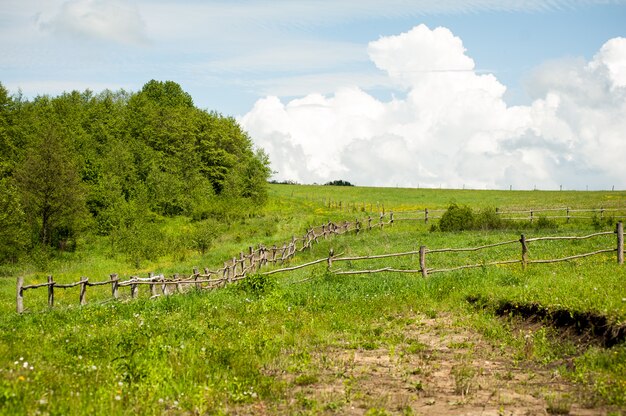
[
  {"x": 257, "y": 284},
  {"x": 457, "y": 218},
  {"x": 488, "y": 219}
]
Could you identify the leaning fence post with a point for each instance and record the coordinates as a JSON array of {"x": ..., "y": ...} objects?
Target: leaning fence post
[
  {"x": 50, "y": 291},
  {"x": 522, "y": 240},
  {"x": 423, "y": 261},
  {"x": 83, "y": 290},
  {"x": 620, "y": 243},
  {"x": 20, "y": 295},
  {"x": 114, "y": 285}
]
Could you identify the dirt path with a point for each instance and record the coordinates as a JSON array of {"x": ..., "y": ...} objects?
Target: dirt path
[{"x": 439, "y": 368}]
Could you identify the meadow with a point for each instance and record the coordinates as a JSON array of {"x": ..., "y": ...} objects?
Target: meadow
[{"x": 313, "y": 342}]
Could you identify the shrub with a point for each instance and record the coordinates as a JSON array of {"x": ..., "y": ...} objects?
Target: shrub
[
  {"x": 457, "y": 218},
  {"x": 488, "y": 219}
]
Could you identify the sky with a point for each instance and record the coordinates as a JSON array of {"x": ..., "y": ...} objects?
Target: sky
[{"x": 483, "y": 94}]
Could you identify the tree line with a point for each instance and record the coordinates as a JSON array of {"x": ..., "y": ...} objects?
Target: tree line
[{"x": 112, "y": 162}]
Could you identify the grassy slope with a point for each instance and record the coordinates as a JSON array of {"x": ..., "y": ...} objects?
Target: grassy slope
[{"x": 216, "y": 350}]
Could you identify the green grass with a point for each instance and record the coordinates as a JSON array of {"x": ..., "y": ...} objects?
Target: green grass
[{"x": 212, "y": 352}]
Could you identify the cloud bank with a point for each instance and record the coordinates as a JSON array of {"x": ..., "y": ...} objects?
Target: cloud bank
[{"x": 449, "y": 125}]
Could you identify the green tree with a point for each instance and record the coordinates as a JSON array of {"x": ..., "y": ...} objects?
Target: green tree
[
  {"x": 12, "y": 230},
  {"x": 51, "y": 189}
]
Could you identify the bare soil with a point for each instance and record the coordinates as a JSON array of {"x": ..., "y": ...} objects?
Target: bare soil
[{"x": 440, "y": 368}]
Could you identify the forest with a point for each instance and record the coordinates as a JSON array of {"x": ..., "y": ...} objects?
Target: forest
[{"x": 113, "y": 164}]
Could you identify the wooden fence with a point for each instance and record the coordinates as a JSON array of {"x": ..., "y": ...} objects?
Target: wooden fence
[
  {"x": 234, "y": 269},
  {"x": 238, "y": 267},
  {"x": 566, "y": 213},
  {"x": 423, "y": 251}
]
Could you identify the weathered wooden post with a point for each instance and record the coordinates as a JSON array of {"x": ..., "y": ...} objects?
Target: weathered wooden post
[
  {"x": 179, "y": 288},
  {"x": 380, "y": 220},
  {"x": 369, "y": 223},
  {"x": 357, "y": 225},
  {"x": 134, "y": 289},
  {"x": 83, "y": 290},
  {"x": 423, "y": 261},
  {"x": 195, "y": 278},
  {"x": 164, "y": 289},
  {"x": 522, "y": 240},
  {"x": 425, "y": 215},
  {"x": 153, "y": 289},
  {"x": 20, "y": 295},
  {"x": 331, "y": 253},
  {"x": 274, "y": 248},
  {"x": 620, "y": 243},
  {"x": 114, "y": 285},
  {"x": 50, "y": 292},
  {"x": 531, "y": 216},
  {"x": 391, "y": 218},
  {"x": 324, "y": 231},
  {"x": 567, "y": 212},
  {"x": 601, "y": 212}
]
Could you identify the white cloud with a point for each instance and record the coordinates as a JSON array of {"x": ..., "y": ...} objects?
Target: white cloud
[
  {"x": 109, "y": 20},
  {"x": 453, "y": 127}
]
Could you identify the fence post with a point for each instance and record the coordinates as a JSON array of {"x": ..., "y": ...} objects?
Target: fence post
[
  {"x": 195, "y": 278},
  {"x": 114, "y": 285},
  {"x": 164, "y": 287},
  {"x": 50, "y": 291},
  {"x": 357, "y": 225},
  {"x": 83, "y": 290},
  {"x": 522, "y": 240},
  {"x": 179, "y": 288},
  {"x": 568, "y": 215},
  {"x": 153, "y": 292},
  {"x": 133, "y": 288},
  {"x": 274, "y": 254},
  {"x": 324, "y": 231},
  {"x": 391, "y": 218},
  {"x": 20, "y": 295},
  {"x": 369, "y": 222},
  {"x": 380, "y": 220},
  {"x": 423, "y": 261},
  {"x": 425, "y": 215},
  {"x": 531, "y": 216},
  {"x": 620, "y": 243},
  {"x": 331, "y": 253}
]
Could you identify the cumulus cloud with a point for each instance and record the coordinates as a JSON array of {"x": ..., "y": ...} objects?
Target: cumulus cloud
[
  {"x": 452, "y": 127},
  {"x": 109, "y": 20}
]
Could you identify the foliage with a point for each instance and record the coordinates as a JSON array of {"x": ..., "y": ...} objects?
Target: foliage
[
  {"x": 12, "y": 231},
  {"x": 52, "y": 192},
  {"x": 81, "y": 162},
  {"x": 457, "y": 218},
  {"x": 338, "y": 182}
]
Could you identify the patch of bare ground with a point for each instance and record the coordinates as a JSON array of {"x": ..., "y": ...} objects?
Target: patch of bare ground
[{"x": 439, "y": 367}]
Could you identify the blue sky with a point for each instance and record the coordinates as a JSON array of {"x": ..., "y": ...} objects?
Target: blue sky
[{"x": 253, "y": 58}]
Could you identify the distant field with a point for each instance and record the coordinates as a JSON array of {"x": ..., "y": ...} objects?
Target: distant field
[
  {"x": 411, "y": 198},
  {"x": 311, "y": 342}
]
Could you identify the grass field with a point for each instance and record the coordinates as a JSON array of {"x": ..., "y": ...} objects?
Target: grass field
[{"x": 311, "y": 342}]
